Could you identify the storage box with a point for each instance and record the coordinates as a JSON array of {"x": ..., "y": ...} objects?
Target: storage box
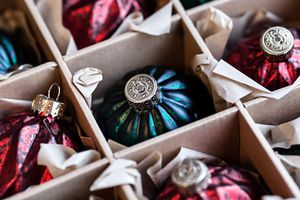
[
  {"x": 225, "y": 135},
  {"x": 230, "y": 134}
]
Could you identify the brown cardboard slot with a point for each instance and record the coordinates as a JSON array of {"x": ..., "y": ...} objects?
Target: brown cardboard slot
[
  {"x": 28, "y": 85},
  {"x": 234, "y": 8},
  {"x": 65, "y": 40},
  {"x": 224, "y": 135},
  {"x": 33, "y": 26},
  {"x": 132, "y": 51},
  {"x": 274, "y": 112}
]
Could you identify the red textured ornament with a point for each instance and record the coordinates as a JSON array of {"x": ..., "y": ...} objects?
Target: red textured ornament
[
  {"x": 269, "y": 70},
  {"x": 220, "y": 183},
  {"x": 91, "y": 21},
  {"x": 20, "y": 137}
]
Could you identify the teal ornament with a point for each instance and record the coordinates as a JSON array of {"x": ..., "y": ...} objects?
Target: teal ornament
[
  {"x": 8, "y": 57},
  {"x": 149, "y": 102},
  {"x": 16, "y": 52},
  {"x": 187, "y": 4}
]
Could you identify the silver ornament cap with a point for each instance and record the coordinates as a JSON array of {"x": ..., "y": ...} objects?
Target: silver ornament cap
[
  {"x": 277, "y": 43},
  {"x": 142, "y": 92},
  {"x": 191, "y": 176},
  {"x": 47, "y": 106}
]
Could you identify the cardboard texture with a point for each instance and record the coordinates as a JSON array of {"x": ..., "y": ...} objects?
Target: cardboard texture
[
  {"x": 221, "y": 136},
  {"x": 274, "y": 112},
  {"x": 230, "y": 134}
]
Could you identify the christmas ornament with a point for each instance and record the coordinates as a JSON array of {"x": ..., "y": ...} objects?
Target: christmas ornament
[
  {"x": 14, "y": 55},
  {"x": 92, "y": 21},
  {"x": 271, "y": 59},
  {"x": 20, "y": 137},
  {"x": 193, "y": 179},
  {"x": 151, "y": 101}
]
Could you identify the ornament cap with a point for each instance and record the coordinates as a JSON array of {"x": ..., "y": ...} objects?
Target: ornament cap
[
  {"x": 191, "y": 175},
  {"x": 277, "y": 43},
  {"x": 47, "y": 106},
  {"x": 142, "y": 92}
]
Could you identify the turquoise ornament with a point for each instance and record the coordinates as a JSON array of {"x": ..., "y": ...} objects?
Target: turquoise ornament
[
  {"x": 8, "y": 57},
  {"x": 149, "y": 102}
]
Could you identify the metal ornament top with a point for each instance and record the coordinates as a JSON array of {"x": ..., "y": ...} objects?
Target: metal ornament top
[
  {"x": 191, "y": 176},
  {"x": 277, "y": 43},
  {"x": 47, "y": 106},
  {"x": 142, "y": 92}
]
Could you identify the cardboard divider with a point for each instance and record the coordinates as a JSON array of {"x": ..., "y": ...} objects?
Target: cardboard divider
[
  {"x": 37, "y": 15},
  {"x": 221, "y": 135},
  {"x": 273, "y": 112},
  {"x": 286, "y": 9},
  {"x": 33, "y": 26},
  {"x": 74, "y": 185}
]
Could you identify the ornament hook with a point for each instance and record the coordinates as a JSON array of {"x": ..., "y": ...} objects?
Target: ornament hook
[{"x": 58, "y": 91}]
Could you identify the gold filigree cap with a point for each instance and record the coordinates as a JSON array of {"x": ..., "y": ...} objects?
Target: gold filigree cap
[{"x": 47, "y": 106}]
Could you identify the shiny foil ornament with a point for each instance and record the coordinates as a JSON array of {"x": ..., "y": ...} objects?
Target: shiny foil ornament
[
  {"x": 20, "y": 137},
  {"x": 8, "y": 57},
  {"x": 15, "y": 52},
  {"x": 193, "y": 179},
  {"x": 151, "y": 101},
  {"x": 271, "y": 59},
  {"x": 91, "y": 21},
  {"x": 187, "y": 4}
]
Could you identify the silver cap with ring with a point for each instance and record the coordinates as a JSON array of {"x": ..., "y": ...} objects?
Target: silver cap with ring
[
  {"x": 191, "y": 176},
  {"x": 142, "y": 92},
  {"x": 277, "y": 43},
  {"x": 47, "y": 106}
]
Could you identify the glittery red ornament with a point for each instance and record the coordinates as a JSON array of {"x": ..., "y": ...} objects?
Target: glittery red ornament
[
  {"x": 221, "y": 183},
  {"x": 20, "y": 137},
  {"x": 249, "y": 58},
  {"x": 91, "y": 21}
]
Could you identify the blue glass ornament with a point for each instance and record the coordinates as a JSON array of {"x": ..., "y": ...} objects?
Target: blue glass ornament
[
  {"x": 8, "y": 56},
  {"x": 151, "y": 101}
]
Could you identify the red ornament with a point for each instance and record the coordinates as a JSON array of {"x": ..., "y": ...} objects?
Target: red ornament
[
  {"x": 224, "y": 182},
  {"x": 249, "y": 58},
  {"x": 20, "y": 137},
  {"x": 91, "y": 21}
]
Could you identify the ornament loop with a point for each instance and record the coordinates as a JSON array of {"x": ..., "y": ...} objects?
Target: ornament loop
[{"x": 58, "y": 91}]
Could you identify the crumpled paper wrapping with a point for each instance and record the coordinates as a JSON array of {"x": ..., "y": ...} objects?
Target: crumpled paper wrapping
[
  {"x": 160, "y": 174},
  {"x": 60, "y": 159},
  {"x": 226, "y": 82},
  {"x": 157, "y": 24},
  {"x": 10, "y": 21},
  {"x": 86, "y": 81},
  {"x": 120, "y": 172},
  {"x": 284, "y": 136}
]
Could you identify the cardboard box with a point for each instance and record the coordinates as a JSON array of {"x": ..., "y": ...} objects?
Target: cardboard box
[
  {"x": 225, "y": 135},
  {"x": 230, "y": 135}
]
